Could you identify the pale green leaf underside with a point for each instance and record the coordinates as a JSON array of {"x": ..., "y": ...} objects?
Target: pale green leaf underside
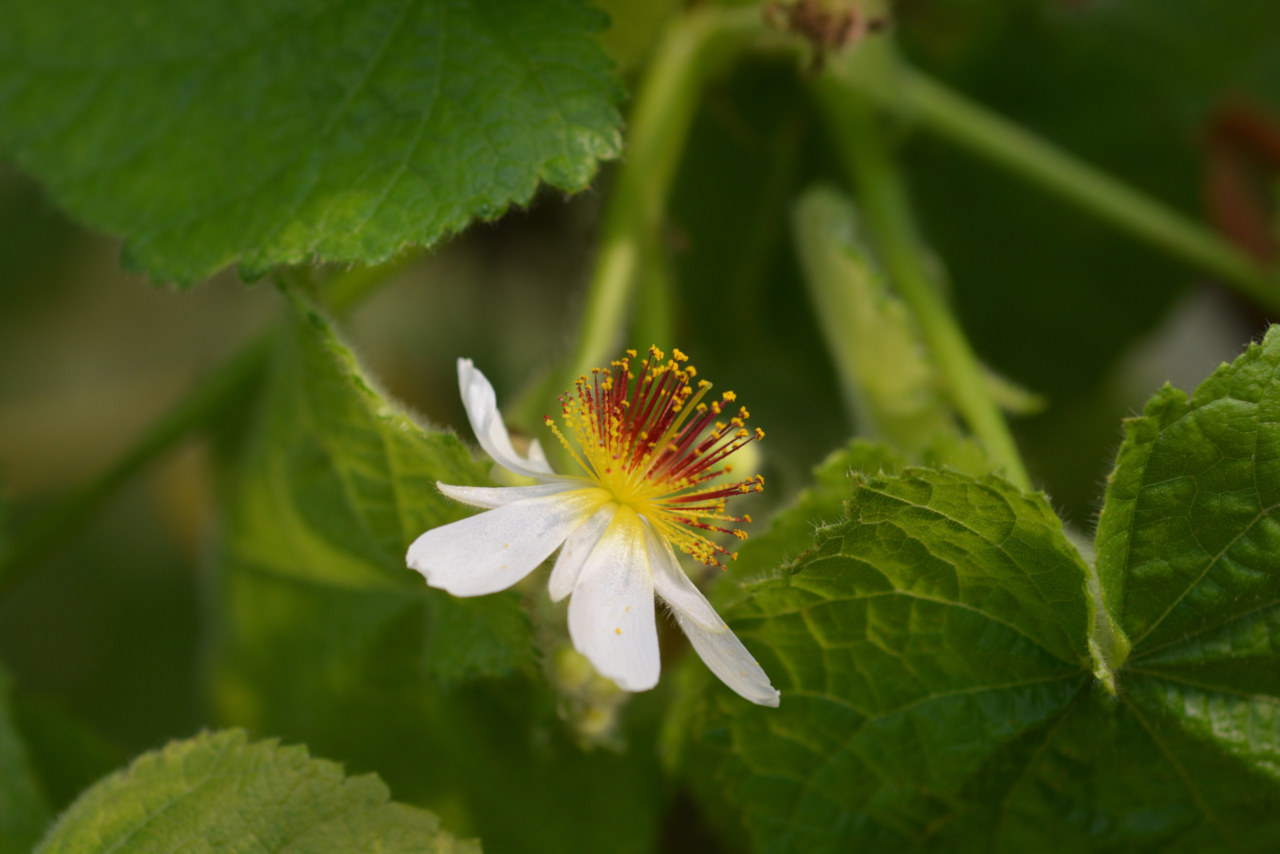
[
  {"x": 218, "y": 792},
  {"x": 215, "y": 133}
]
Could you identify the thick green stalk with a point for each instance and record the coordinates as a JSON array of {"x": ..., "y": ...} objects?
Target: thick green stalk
[
  {"x": 898, "y": 87},
  {"x": 692, "y": 47},
  {"x": 229, "y": 383},
  {"x": 658, "y": 126},
  {"x": 888, "y": 216}
]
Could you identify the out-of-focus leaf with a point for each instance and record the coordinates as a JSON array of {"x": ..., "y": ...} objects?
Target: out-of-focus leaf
[
  {"x": 210, "y": 134},
  {"x": 218, "y": 792},
  {"x": 335, "y": 485},
  {"x": 24, "y": 811},
  {"x": 874, "y": 342},
  {"x": 897, "y": 393},
  {"x": 330, "y": 640}
]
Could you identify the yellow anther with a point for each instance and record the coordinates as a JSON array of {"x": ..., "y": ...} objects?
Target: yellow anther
[{"x": 678, "y": 356}]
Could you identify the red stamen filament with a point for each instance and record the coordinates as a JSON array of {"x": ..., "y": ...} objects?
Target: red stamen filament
[{"x": 649, "y": 440}]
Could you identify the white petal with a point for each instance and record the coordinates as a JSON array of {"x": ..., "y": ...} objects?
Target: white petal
[
  {"x": 676, "y": 588},
  {"x": 493, "y": 550},
  {"x": 497, "y": 496},
  {"x": 564, "y": 575},
  {"x": 611, "y": 617},
  {"x": 537, "y": 458},
  {"x": 729, "y": 659},
  {"x": 481, "y": 403}
]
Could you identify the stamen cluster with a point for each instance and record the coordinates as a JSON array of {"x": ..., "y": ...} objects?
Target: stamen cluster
[{"x": 651, "y": 440}]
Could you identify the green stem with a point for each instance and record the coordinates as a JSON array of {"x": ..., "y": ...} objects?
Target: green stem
[
  {"x": 659, "y": 125},
  {"x": 693, "y": 46},
  {"x": 888, "y": 216},
  {"x": 229, "y": 383},
  {"x": 947, "y": 113}
]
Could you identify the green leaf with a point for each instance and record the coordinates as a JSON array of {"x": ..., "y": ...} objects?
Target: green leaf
[
  {"x": 210, "y": 134},
  {"x": 886, "y": 375},
  {"x": 218, "y": 792},
  {"x": 329, "y": 640},
  {"x": 24, "y": 810},
  {"x": 923, "y": 635},
  {"x": 790, "y": 531},
  {"x": 1188, "y": 549},
  {"x": 930, "y": 650},
  {"x": 335, "y": 486},
  {"x": 1187, "y": 540},
  {"x": 896, "y": 392}
]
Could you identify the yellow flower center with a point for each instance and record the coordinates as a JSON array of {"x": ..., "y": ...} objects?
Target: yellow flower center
[{"x": 650, "y": 440}]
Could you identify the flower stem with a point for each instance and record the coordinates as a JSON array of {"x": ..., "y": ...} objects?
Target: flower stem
[
  {"x": 691, "y": 47},
  {"x": 949, "y": 114},
  {"x": 888, "y": 216},
  {"x": 230, "y": 382},
  {"x": 631, "y": 254}
]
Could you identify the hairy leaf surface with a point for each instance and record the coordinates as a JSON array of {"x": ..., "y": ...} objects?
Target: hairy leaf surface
[
  {"x": 933, "y": 648},
  {"x": 219, "y": 792},
  {"x": 211, "y": 134}
]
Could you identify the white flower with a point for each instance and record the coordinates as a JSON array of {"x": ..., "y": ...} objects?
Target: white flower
[{"x": 650, "y": 451}]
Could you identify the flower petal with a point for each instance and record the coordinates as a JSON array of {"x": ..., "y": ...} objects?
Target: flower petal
[
  {"x": 497, "y": 496},
  {"x": 727, "y": 658},
  {"x": 564, "y": 575},
  {"x": 495, "y": 549},
  {"x": 481, "y": 403},
  {"x": 611, "y": 615},
  {"x": 537, "y": 458},
  {"x": 675, "y": 587}
]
